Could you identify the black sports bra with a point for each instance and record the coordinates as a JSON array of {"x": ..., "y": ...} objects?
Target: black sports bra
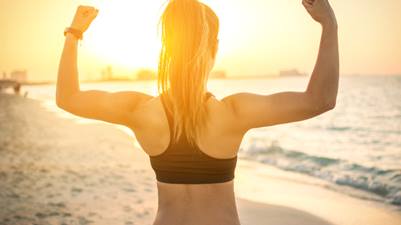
[{"x": 182, "y": 164}]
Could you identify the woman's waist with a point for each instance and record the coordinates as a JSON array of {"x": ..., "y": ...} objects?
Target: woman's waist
[
  {"x": 194, "y": 212},
  {"x": 194, "y": 204},
  {"x": 197, "y": 196},
  {"x": 187, "y": 218}
]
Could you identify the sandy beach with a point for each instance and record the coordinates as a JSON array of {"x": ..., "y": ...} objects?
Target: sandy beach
[{"x": 54, "y": 170}]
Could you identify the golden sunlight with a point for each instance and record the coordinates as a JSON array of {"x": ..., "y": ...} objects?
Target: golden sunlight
[
  {"x": 257, "y": 37},
  {"x": 125, "y": 33}
]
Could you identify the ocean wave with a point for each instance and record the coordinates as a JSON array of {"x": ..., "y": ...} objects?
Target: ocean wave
[{"x": 384, "y": 183}]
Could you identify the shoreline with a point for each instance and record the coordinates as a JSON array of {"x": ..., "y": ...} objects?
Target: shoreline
[
  {"x": 257, "y": 180},
  {"x": 52, "y": 175}
]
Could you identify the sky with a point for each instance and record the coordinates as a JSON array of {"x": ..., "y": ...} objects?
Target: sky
[{"x": 257, "y": 37}]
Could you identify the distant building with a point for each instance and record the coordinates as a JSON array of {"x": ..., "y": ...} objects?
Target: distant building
[
  {"x": 219, "y": 74},
  {"x": 19, "y": 75},
  {"x": 107, "y": 73},
  {"x": 146, "y": 74},
  {"x": 293, "y": 72}
]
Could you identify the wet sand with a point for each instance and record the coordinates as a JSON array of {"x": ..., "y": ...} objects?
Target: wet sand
[{"x": 54, "y": 170}]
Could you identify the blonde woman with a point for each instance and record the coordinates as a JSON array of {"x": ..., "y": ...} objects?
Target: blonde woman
[{"x": 191, "y": 137}]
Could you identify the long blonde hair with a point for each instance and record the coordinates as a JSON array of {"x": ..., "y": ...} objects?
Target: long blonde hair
[{"x": 189, "y": 31}]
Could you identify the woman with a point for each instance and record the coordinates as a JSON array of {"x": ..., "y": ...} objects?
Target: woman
[{"x": 198, "y": 136}]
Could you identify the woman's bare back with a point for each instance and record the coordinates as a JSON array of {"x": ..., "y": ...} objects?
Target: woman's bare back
[
  {"x": 220, "y": 139},
  {"x": 192, "y": 204}
]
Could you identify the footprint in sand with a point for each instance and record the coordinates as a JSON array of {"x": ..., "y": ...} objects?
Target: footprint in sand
[
  {"x": 127, "y": 208},
  {"x": 83, "y": 221},
  {"x": 76, "y": 190},
  {"x": 58, "y": 205},
  {"x": 92, "y": 214},
  {"x": 54, "y": 214},
  {"x": 41, "y": 215},
  {"x": 66, "y": 214}
]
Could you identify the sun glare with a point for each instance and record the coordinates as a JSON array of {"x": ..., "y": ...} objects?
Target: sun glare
[{"x": 125, "y": 33}]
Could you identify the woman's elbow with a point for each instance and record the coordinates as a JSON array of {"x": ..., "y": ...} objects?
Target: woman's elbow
[
  {"x": 332, "y": 104},
  {"x": 326, "y": 105},
  {"x": 64, "y": 99},
  {"x": 61, "y": 103},
  {"x": 320, "y": 104}
]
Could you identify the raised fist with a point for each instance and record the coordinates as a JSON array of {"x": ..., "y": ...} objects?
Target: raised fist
[
  {"x": 84, "y": 17},
  {"x": 321, "y": 11}
]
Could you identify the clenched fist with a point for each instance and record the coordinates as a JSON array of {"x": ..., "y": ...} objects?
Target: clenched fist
[
  {"x": 321, "y": 11},
  {"x": 84, "y": 17}
]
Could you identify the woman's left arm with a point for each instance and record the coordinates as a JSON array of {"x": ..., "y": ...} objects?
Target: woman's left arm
[{"x": 93, "y": 104}]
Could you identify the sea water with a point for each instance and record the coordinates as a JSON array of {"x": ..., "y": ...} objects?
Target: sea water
[{"x": 357, "y": 145}]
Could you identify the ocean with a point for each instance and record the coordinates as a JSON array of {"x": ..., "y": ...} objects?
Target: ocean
[{"x": 356, "y": 146}]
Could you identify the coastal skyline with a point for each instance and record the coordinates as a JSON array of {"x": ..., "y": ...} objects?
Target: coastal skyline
[{"x": 256, "y": 37}]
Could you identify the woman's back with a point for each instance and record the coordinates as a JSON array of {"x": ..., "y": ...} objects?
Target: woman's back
[
  {"x": 220, "y": 140},
  {"x": 192, "y": 204}
]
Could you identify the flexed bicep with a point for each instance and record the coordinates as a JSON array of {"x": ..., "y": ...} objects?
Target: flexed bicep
[
  {"x": 254, "y": 110},
  {"x": 100, "y": 105}
]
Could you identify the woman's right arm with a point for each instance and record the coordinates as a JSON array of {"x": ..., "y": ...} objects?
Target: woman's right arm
[{"x": 253, "y": 110}]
